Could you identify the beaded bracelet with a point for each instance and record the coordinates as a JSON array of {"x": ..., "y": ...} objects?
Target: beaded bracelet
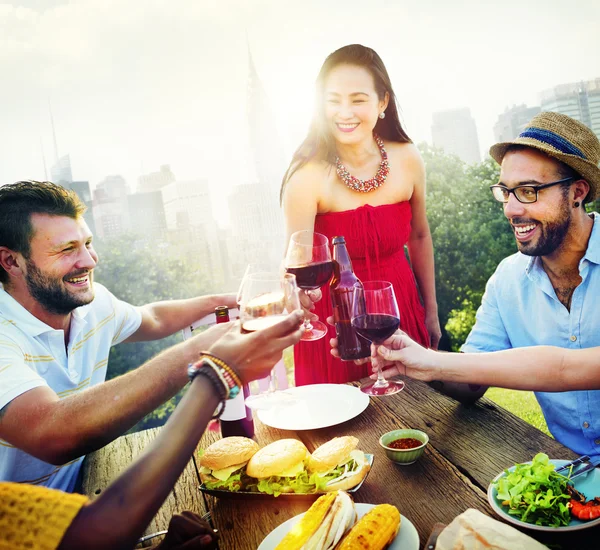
[
  {"x": 226, "y": 380},
  {"x": 196, "y": 369},
  {"x": 224, "y": 366}
]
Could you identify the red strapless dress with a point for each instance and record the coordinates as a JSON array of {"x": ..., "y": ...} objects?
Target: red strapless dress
[{"x": 375, "y": 238}]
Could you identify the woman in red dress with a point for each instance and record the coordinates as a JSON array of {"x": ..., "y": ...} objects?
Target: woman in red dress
[{"x": 358, "y": 174}]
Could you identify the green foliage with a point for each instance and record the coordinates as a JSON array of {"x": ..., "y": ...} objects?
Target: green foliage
[
  {"x": 470, "y": 233},
  {"x": 141, "y": 272},
  {"x": 593, "y": 206},
  {"x": 460, "y": 322}
]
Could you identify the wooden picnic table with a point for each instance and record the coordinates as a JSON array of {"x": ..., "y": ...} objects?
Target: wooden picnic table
[{"x": 468, "y": 446}]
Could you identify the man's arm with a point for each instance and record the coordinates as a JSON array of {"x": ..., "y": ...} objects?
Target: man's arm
[
  {"x": 488, "y": 334},
  {"x": 59, "y": 430},
  {"x": 161, "y": 319}
]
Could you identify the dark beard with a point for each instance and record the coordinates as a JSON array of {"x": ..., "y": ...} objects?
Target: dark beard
[
  {"x": 50, "y": 293},
  {"x": 552, "y": 235}
]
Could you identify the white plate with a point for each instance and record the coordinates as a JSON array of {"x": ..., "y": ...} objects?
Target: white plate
[
  {"x": 406, "y": 539},
  {"x": 316, "y": 406},
  {"x": 588, "y": 484}
]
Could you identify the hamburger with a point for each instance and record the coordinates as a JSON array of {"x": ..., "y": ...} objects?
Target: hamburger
[
  {"x": 280, "y": 468},
  {"x": 323, "y": 525},
  {"x": 222, "y": 465},
  {"x": 338, "y": 465}
]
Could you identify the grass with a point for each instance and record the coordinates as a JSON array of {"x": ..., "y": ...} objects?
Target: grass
[{"x": 521, "y": 403}]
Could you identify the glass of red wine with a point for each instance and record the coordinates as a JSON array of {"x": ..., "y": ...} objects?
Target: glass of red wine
[
  {"x": 265, "y": 299},
  {"x": 375, "y": 316},
  {"x": 308, "y": 257}
]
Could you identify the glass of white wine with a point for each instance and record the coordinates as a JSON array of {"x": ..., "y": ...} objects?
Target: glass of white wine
[{"x": 265, "y": 299}]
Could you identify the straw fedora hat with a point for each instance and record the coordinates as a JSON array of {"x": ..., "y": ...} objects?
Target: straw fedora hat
[{"x": 565, "y": 139}]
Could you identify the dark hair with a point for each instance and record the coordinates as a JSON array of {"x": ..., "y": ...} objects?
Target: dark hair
[
  {"x": 319, "y": 143},
  {"x": 19, "y": 200}
]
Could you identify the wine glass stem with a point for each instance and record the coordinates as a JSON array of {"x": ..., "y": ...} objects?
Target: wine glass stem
[
  {"x": 381, "y": 382},
  {"x": 272, "y": 388},
  {"x": 307, "y": 325}
]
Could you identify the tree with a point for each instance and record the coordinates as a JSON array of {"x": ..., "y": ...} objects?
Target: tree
[
  {"x": 140, "y": 272},
  {"x": 470, "y": 233}
]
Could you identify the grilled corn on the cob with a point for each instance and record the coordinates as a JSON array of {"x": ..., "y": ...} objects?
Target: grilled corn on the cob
[{"x": 374, "y": 531}]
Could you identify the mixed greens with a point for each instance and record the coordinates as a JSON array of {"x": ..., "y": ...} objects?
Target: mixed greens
[{"x": 535, "y": 493}]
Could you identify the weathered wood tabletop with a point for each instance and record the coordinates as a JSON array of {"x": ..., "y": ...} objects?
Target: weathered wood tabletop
[{"x": 469, "y": 445}]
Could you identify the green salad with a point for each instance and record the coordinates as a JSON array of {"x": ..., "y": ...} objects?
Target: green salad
[{"x": 535, "y": 493}]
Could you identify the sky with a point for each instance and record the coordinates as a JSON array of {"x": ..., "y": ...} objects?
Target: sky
[{"x": 134, "y": 84}]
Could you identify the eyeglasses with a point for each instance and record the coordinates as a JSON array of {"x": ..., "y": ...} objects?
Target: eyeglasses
[{"x": 523, "y": 193}]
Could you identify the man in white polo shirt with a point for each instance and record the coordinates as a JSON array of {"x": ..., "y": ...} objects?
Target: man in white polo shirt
[{"x": 56, "y": 330}]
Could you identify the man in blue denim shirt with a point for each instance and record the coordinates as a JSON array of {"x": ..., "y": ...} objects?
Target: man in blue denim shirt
[{"x": 548, "y": 292}]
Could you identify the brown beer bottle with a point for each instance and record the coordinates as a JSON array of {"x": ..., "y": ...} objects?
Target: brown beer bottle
[
  {"x": 351, "y": 346},
  {"x": 236, "y": 418}
]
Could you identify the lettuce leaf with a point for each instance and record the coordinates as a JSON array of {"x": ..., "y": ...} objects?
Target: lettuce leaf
[
  {"x": 302, "y": 483},
  {"x": 232, "y": 483},
  {"x": 535, "y": 493}
]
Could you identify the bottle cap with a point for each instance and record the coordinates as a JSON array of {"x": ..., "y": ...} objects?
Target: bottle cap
[{"x": 338, "y": 240}]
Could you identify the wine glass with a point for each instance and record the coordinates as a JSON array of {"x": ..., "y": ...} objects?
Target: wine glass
[
  {"x": 267, "y": 298},
  {"x": 375, "y": 316},
  {"x": 309, "y": 258},
  {"x": 251, "y": 268}
]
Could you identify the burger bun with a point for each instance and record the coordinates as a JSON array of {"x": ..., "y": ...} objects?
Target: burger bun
[
  {"x": 228, "y": 452},
  {"x": 276, "y": 458}
]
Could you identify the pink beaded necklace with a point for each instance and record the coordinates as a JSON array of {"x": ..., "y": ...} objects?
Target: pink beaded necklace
[{"x": 364, "y": 186}]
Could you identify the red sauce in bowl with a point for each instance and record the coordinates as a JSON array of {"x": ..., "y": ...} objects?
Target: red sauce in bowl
[{"x": 405, "y": 443}]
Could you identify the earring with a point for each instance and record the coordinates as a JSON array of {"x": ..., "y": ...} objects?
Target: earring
[
  {"x": 382, "y": 115},
  {"x": 576, "y": 204}
]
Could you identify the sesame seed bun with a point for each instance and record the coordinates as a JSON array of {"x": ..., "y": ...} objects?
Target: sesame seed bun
[
  {"x": 228, "y": 452},
  {"x": 275, "y": 458}
]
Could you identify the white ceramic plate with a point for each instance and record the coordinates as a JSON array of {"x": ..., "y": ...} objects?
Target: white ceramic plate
[
  {"x": 316, "y": 406},
  {"x": 588, "y": 484},
  {"x": 406, "y": 539}
]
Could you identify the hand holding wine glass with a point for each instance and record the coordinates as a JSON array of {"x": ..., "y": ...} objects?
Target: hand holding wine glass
[
  {"x": 309, "y": 259},
  {"x": 375, "y": 316}
]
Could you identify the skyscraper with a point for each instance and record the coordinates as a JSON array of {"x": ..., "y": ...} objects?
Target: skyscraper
[
  {"x": 111, "y": 207},
  {"x": 61, "y": 170},
  {"x": 155, "y": 181},
  {"x": 455, "y": 132},
  {"x": 147, "y": 214},
  {"x": 579, "y": 100},
  {"x": 187, "y": 203},
  {"x": 256, "y": 217},
  {"x": 512, "y": 121},
  {"x": 191, "y": 225}
]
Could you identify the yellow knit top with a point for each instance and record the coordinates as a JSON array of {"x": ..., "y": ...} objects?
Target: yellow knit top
[{"x": 35, "y": 518}]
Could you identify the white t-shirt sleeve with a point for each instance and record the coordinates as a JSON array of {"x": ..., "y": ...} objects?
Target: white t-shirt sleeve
[
  {"x": 16, "y": 377},
  {"x": 128, "y": 318}
]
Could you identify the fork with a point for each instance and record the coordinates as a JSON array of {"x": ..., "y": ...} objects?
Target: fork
[
  {"x": 159, "y": 533},
  {"x": 573, "y": 465}
]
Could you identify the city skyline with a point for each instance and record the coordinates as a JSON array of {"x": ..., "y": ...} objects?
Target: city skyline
[{"x": 134, "y": 86}]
